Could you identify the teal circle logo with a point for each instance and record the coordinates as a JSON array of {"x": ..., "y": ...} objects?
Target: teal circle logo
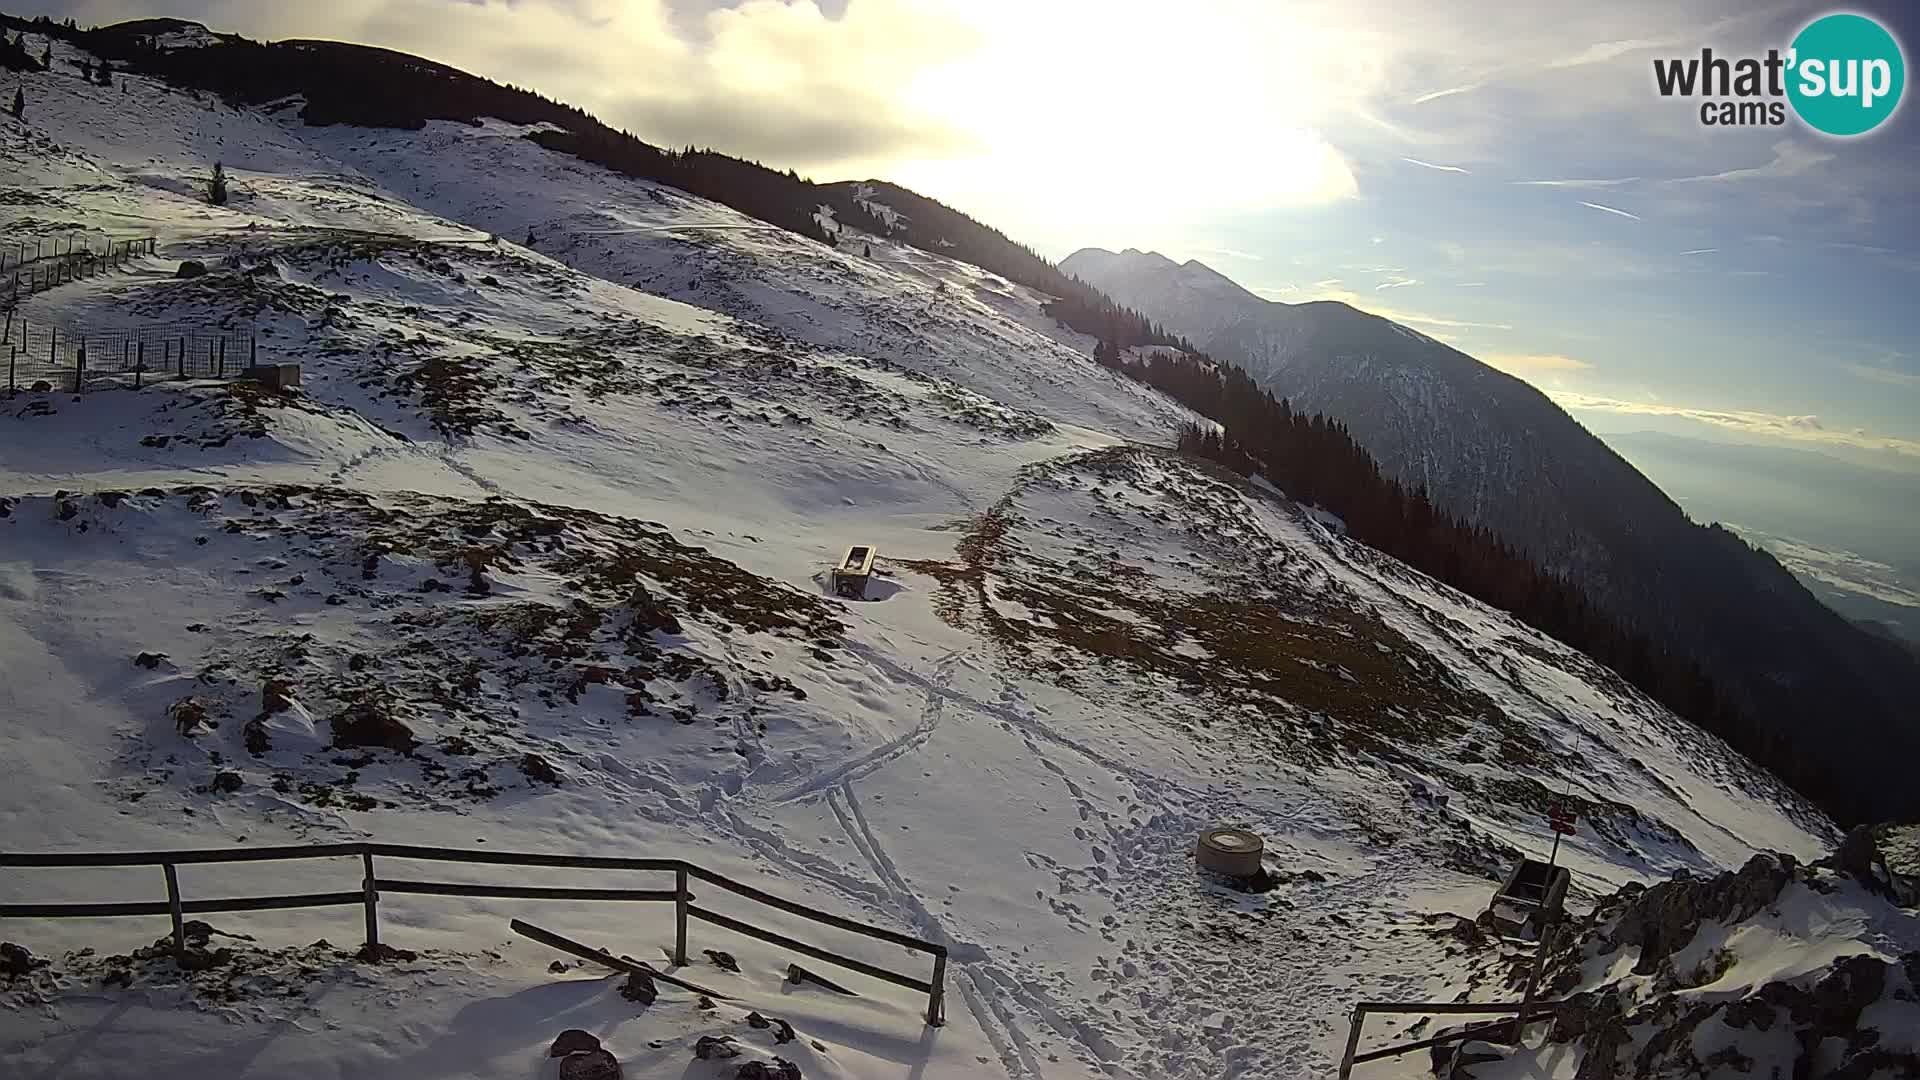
[{"x": 1846, "y": 73}]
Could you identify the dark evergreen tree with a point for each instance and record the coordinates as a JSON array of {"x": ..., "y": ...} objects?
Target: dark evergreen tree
[
  {"x": 529, "y": 242},
  {"x": 217, "y": 189},
  {"x": 104, "y": 73},
  {"x": 19, "y": 104},
  {"x": 867, "y": 250}
]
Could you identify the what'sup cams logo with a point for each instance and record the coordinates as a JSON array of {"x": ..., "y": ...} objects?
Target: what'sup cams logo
[{"x": 1843, "y": 75}]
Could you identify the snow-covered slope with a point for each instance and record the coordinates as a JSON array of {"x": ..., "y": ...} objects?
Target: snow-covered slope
[
  {"x": 534, "y": 562},
  {"x": 1491, "y": 450}
]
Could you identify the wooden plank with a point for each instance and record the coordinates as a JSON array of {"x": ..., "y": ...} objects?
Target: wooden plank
[
  {"x": 601, "y": 956},
  {"x": 1450, "y": 1008},
  {"x": 187, "y": 907},
  {"x": 805, "y": 949},
  {"x": 519, "y": 858},
  {"x": 157, "y": 858},
  {"x": 805, "y": 912},
  {"x": 522, "y": 892},
  {"x": 1475, "y": 1032}
]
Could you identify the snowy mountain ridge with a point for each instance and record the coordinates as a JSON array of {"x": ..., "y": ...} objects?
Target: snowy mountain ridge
[
  {"x": 1491, "y": 450},
  {"x": 535, "y": 561}
]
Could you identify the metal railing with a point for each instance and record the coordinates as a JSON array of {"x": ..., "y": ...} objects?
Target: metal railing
[{"x": 372, "y": 885}]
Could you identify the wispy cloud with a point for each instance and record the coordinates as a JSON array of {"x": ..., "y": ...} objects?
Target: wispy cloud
[
  {"x": 1604, "y": 51},
  {"x": 1434, "y": 167},
  {"x": 1434, "y": 320},
  {"x": 1230, "y": 253},
  {"x": 1700, "y": 251},
  {"x": 1884, "y": 375},
  {"x": 1615, "y": 182},
  {"x": 1397, "y": 283},
  {"x": 1469, "y": 284},
  {"x": 1448, "y": 92},
  {"x": 1519, "y": 363},
  {"x": 1795, "y": 428},
  {"x": 1610, "y": 210},
  {"x": 1326, "y": 283},
  {"x": 1789, "y": 159}
]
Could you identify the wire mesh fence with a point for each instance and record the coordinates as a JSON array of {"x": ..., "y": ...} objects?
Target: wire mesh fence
[{"x": 45, "y": 357}]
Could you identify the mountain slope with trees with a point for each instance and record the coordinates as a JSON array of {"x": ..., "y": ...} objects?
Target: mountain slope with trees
[{"x": 1824, "y": 700}]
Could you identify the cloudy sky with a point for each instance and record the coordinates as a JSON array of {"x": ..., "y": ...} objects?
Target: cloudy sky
[{"x": 1501, "y": 175}]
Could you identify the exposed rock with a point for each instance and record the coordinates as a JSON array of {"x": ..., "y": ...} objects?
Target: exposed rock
[
  {"x": 15, "y": 960},
  {"x": 558, "y": 967},
  {"x": 778, "y": 1069},
  {"x": 226, "y": 782},
  {"x": 367, "y": 724},
  {"x": 1857, "y": 855},
  {"x": 385, "y": 954},
  {"x": 639, "y": 988},
  {"x": 275, "y": 696},
  {"x": 715, "y": 1048},
  {"x": 191, "y": 268},
  {"x": 572, "y": 1041},
  {"x": 1661, "y": 920},
  {"x": 595, "y": 1064},
  {"x": 756, "y": 1021},
  {"x": 149, "y": 660},
  {"x": 539, "y": 768},
  {"x": 723, "y": 960}
]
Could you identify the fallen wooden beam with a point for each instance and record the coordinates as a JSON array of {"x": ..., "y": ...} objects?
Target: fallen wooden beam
[{"x": 601, "y": 956}]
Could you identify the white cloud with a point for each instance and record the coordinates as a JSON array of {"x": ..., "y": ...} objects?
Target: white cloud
[
  {"x": 1397, "y": 283},
  {"x": 1701, "y": 251},
  {"x": 1805, "y": 428},
  {"x": 1517, "y": 363},
  {"x": 1610, "y": 210},
  {"x": 1436, "y": 168},
  {"x": 1579, "y": 183},
  {"x": 1884, "y": 375},
  {"x": 1789, "y": 159}
]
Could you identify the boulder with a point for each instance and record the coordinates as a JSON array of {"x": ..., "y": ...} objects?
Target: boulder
[
  {"x": 593, "y": 1064},
  {"x": 15, "y": 960},
  {"x": 367, "y": 724},
  {"x": 639, "y": 988},
  {"x": 539, "y": 768},
  {"x": 191, "y": 268},
  {"x": 723, "y": 960},
  {"x": 777, "y": 1069},
  {"x": 715, "y": 1048},
  {"x": 573, "y": 1041}
]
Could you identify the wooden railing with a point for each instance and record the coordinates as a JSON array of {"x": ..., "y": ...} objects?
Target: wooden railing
[
  {"x": 372, "y": 885},
  {"x": 1523, "y": 1013}
]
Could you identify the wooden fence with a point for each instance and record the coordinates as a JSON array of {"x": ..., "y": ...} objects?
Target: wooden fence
[
  {"x": 371, "y": 885},
  {"x": 25, "y": 271}
]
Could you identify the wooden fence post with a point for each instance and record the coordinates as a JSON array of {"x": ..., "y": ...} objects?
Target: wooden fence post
[
  {"x": 173, "y": 902},
  {"x": 139, "y": 362},
  {"x": 79, "y": 365},
  {"x": 183, "y": 356},
  {"x": 937, "y": 997},
  {"x": 680, "y": 917},
  {"x": 373, "y": 899},
  {"x": 223, "y": 357},
  {"x": 1353, "y": 1043}
]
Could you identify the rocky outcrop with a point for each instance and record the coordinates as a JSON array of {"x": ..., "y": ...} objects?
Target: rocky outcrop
[{"x": 1662, "y": 920}]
